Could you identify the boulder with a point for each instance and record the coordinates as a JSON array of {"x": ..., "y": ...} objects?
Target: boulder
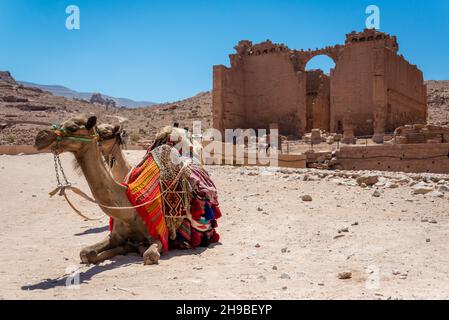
[
  {"x": 422, "y": 188},
  {"x": 368, "y": 179}
]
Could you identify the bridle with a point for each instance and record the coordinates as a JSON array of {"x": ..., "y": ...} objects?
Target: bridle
[
  {"x": 62, "y": 186},
  {"x": 119, "y": 141},
  {"x": 62, "y": 135}
]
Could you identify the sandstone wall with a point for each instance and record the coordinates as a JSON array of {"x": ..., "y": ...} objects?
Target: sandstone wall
[
  {"x": 406, "y": 92},
  {"x": 274, "y": 93},
  {"x": 352, "y": 88},
  {"x": 425, "y": 157}
]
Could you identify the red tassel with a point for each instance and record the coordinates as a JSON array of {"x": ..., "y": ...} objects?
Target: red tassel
[
  {"x": 217, "y": 211},
  {"x": 111, "y": 224}
]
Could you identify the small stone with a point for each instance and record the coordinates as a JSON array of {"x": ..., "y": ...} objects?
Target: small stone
[
  {"x": 339, "y": 236},
  {"x": 284, "y": 250},
  {"x": 367, "y": 179},
  {"x": 422, "y": 188},
  {"x": 436, "y": 194},
  {"x": 376, "y": 193},
  {"x": 355, "y": 224},
  {"x": 274, "y": 268},
  {"x": 428, "y": 240},
  {"x": 285, "y": 276},
  {"x": 306, "y": 198},
  {"x": 284, "y": 288},
  {"x": 433, "y": 221},
  {"x": 345, "y": 275},
  {"x": 259, "y": 209},
  {"x": 257, "y": 245},
  {"x": 346, "y": 229}
]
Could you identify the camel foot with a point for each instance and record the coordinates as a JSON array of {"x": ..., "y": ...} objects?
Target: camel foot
[
  {"x": 152, "y": 255},
  {"x": 88, "y": 256}
]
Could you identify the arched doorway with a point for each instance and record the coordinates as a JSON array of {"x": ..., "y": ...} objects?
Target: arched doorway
[
  {"x": 318, "y": 74},
  {"x": 321, "y": 62}
]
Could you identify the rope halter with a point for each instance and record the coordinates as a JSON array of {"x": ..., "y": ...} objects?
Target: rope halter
[{"x": 62, "y": 134}]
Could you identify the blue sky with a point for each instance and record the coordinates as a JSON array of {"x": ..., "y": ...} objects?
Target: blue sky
[{"x": 164, "y": 50}]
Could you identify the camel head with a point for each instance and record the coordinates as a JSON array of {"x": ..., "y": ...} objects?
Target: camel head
[
  {"x": 70, "y": 136},
  {"x": 110, "y": 137}
]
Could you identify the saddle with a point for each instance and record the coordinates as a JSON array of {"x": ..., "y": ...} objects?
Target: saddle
[{"x": 182, "y": 200}]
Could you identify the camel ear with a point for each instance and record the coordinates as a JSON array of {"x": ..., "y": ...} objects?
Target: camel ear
[
  {"x": 116, "y": 129},
  {"x": 91, "y": 122}
]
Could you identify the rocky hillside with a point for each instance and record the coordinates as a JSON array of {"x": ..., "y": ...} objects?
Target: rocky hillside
[
  {"x": 23, "y": 108},
  {"x": 73, "y": 94},
  {"x": 438, "y": 101}
]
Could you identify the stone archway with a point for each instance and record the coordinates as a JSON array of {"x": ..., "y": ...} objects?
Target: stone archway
[{"x": 318, "y": 91}]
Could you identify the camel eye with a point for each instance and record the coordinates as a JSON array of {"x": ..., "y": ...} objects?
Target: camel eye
[{"x": 72, "y": 129}]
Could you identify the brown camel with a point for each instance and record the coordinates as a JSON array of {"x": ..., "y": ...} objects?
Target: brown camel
[{"x": 78, "y": 136}]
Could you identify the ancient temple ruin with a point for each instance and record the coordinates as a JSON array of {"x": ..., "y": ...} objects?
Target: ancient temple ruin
[{"x": 372, "y": 88}]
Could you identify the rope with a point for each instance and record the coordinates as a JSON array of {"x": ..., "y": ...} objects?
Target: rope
[{"x": 77, "y": 191}]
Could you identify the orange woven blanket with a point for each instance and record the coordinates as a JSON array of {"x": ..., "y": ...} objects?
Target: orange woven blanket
[{"x": 143, "y": 186}]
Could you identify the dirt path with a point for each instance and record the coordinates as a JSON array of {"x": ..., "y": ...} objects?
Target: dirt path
[{"x": 274, "y": 245}]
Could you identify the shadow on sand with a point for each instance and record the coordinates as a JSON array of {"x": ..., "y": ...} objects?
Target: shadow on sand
[
  {"x": 93, "y": 230},
  {"x": 117, "y": 262}
]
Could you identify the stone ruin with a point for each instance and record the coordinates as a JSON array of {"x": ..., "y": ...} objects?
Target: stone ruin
[
  {"x": 419, "y": 133},
  {"x": 371, "y": 91}
]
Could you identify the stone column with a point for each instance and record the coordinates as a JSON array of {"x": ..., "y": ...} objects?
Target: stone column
[
  {"x": 379, "y": 96},
  {"x": 348, "y": 128},
  {"x": 275, "y": 126}
]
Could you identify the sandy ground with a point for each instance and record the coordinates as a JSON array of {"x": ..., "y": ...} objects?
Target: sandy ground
[{"x": 274, "y": 245}]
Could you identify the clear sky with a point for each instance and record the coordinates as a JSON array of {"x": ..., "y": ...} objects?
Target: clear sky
[{"x": 164, "y": 50}]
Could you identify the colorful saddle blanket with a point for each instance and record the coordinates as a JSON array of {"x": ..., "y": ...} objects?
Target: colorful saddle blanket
[
  {"x": 144, "y": 186},
  {"x": 182, "y": 199}
]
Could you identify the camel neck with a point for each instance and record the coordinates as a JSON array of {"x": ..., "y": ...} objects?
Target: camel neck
[
  {"x": 121, "y": 166},
  {"x": 103, "y": 187}
]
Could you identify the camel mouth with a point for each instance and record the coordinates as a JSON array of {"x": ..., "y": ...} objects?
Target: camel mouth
[{"x": 44, "y": 140}]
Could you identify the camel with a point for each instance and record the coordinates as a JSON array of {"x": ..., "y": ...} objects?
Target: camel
[{"x": 78, "y": 136}]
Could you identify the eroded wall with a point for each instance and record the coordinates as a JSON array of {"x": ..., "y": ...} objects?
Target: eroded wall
[{"x": 267, "y": 83}]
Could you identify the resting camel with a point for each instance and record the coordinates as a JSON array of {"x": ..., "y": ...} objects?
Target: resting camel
[{"x": 78, "y": 136}]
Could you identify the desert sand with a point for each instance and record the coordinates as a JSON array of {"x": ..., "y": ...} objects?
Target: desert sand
[{"x": 273, "y": 245}]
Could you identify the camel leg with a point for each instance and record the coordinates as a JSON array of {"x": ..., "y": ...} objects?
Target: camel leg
[
  {"x": 141, "y": 248},
  {"x": 153, "y": 253},
  {"x": 110, "y": 253},
  {"x": 90, "y": 253}
]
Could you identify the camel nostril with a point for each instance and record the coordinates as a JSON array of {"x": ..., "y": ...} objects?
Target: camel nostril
[{"x": 44, "y": 139}]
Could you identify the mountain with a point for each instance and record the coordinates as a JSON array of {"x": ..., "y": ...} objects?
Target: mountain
[
  {"x": 62, "y": 91},
  {"x": 25, "y": 109}
]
